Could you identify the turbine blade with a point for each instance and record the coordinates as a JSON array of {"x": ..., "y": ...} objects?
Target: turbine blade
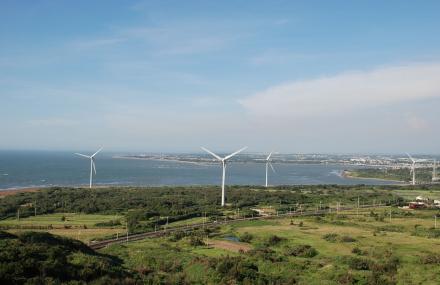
[
  {"x": 97, "y": 152},
  {"x": 83, "y": 155},
  {"x": 211, "y": 153},
  {"x": 270, "y": 154},
  {"x": 271, "y": 166},
  {"x": 237, "y": 152},
  {"x": 410, "y": 157}
]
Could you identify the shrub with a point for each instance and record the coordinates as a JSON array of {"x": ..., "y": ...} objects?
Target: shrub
[
  {"x": 358, "y": 251},
  {"x": 196, "y": 241},
  {"x": 430, "y": 259},
  {"x": 358, "y": 263},
  {"x": 302, "y": 250},
  {"x": 246, "y": 237},
  {"x": 265, "y": 253},
  {"x": 273, "y": 240},
  {"x": 330, "y": 237},
  {"x": 176, "y": 236},
  {"x": 347, "y": 239}
]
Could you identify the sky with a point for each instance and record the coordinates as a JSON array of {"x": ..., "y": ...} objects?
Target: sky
[{"x": 171, "y": 76}]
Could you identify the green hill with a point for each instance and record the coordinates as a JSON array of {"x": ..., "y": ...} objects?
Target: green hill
[{"x": 42, "y": 258}]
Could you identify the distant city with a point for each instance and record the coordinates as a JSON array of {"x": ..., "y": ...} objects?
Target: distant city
[{"x": 388, "y": 161}]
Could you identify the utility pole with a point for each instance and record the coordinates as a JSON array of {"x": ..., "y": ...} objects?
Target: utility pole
[
  {"x": 18, "y": 214},
  {"x": 357, "y": 210},
  {"x": 35, "y": 208}
]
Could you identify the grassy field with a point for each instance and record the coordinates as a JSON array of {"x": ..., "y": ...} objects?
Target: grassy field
[
  {"x": 349, "y": 246},
  {"x": 78, "y": 226},
  {"x": 57, "y": 220}
]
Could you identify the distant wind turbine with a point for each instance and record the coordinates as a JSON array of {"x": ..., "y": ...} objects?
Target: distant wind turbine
[
  {"x": 413, "y": 168},
  {"x": 223, "y": 161},
  {"x": 268, "y": 163},
  {"x": 92, "y": 164}
]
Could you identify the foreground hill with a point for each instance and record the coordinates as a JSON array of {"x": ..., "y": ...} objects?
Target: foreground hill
[{"x": 41, "y": 258}]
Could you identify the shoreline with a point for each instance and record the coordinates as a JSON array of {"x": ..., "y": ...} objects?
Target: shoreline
[{"x": 346, "y": 174}]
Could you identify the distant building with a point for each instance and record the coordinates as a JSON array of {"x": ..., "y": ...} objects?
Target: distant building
[{"x": 417, "y": 205}]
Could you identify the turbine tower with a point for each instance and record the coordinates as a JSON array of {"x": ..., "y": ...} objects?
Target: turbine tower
[
  {"x": 413, "y": 169},
  {"x": 223, "y": 161},
  {"x": 92, "y": 164},
  {"x": 268, "y": 163}
]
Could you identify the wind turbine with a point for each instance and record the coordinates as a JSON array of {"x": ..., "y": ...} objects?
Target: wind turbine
[
  {"x": 268, "y": 163},
  {"x": 92, "y": 164},
  {"x": 223, "y": 161},
  {"x": 413, "y": 168}
]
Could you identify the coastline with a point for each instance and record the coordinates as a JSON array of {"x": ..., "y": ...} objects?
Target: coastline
[{"x": 346, "y": 174}]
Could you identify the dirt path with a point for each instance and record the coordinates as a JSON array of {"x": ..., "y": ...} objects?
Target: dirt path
[{"x": 229, "y": 245}]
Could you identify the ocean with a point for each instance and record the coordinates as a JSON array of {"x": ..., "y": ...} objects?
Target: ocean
[{"x": 23, "y": 169}]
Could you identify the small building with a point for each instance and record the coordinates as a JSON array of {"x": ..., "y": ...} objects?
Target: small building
[
  {"x": 417, "y": 205},
  {"x": 421, "y": 199}
]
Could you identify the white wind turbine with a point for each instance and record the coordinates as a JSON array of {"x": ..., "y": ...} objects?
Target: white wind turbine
[
  {"x": 413, "y": 168},
  {"x": 92, "y": 164},
  {"x": 268, "y": 163},
  {"x": 434, "y": 171},
  {"x": 223, "y": 161}
]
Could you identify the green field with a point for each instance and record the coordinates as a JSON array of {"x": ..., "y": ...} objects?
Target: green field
[
  {"x": 423, "y": 175},
  {"x": 360, "y": 246},
  {"x": 365, "y": 249},
  {"x": 57, "y": 220},
  {"x": 84, "y": 227}
]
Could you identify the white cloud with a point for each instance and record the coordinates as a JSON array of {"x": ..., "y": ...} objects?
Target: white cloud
[{"x": 351, "y": 91}]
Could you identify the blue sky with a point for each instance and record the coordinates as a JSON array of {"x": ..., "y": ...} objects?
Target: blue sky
[{"x": 295, "y": 76}]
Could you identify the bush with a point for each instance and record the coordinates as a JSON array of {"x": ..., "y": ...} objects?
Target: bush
[
  {"x": 110, "y": 223},
  {"x": 331, "y": 237},
  {"x": 246, "y": 237},
  {"x": 347, "y": 239},
  {"x": 196, "y": 241},
  {"x": 358, "y": 251},
  {"x": 176, "y": 236},
  {"x": 265, "y": 253},
  {"x": 302, "y": 250},
  {"x": 430, "y": 259},
  {"x": 273, "y": 240},
  {"x": 358, "y": 263}
]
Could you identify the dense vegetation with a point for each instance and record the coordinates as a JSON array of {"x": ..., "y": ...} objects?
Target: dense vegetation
[
  {"x": 41, "y": 258},
  {"x": 347, "y": 247},
  {"x": 145, "y": 207}
]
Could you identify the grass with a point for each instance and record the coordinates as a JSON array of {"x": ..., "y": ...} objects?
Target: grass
[
  {"x": 328, "y": 267},
  {"x": 77, "y": 226},
  {"x": 56, "y": 220}
]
